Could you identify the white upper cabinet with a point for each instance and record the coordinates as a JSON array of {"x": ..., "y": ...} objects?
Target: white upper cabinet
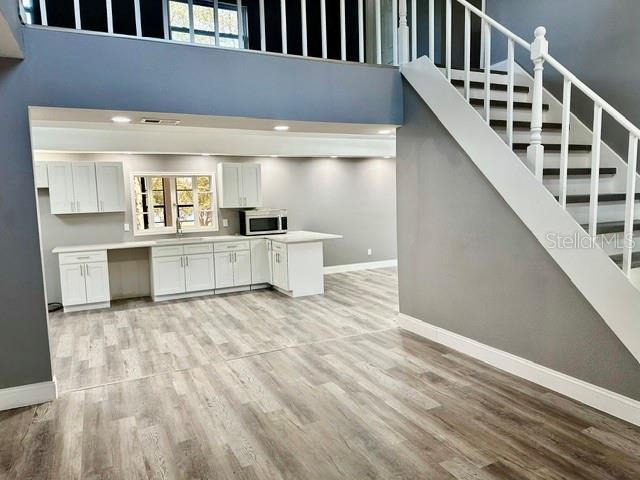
[
  {"x": 61, "y": 195},
  {"x": 84, "y": 187},
  {"x": 251, "y": 185},
  {"x": 240, "y": 185},
  {"x": 40, "y": 173},
  {"x": 110, "y": 183}
]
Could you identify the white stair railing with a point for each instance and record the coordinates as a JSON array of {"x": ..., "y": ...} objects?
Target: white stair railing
[{"x": 539, "y": 54}]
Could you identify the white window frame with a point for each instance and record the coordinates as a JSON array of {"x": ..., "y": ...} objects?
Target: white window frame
[{"x": 174, "y": 203}]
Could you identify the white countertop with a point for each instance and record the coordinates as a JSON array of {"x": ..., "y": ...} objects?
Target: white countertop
[{"x": 290, "y": 237}]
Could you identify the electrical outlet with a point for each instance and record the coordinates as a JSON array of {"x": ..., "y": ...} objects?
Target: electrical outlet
[
  {"x": 126, "y": 227},
  {"x": 369, "y": 251},
  {"x": 225, "y": 222}
]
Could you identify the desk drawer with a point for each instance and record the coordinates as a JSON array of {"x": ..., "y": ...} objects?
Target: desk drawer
[
  {"x": 196, "y": 249},
  {"x": 169, "y": 251},
  {"x": 83, "y": 257},
  {"x": 230, "y": 246}
]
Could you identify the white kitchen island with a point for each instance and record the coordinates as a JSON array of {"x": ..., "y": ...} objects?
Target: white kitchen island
[{"x": 195, "y": 266}]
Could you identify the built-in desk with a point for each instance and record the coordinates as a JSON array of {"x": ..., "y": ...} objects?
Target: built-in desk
[{"x": 194, "y": 266}]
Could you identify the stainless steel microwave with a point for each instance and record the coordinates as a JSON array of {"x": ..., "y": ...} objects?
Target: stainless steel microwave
[{"x": 263, "y": 221}]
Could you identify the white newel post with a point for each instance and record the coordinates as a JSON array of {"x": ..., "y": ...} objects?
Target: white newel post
[
  {"x": 403, "y": 34},
  {"x": 535, "y": 152}
]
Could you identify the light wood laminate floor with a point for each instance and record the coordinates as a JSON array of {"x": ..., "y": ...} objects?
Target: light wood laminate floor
[{"x": 259, "y": 386}]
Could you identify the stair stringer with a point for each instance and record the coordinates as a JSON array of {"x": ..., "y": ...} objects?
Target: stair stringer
[{"x": 593, "y": 273}]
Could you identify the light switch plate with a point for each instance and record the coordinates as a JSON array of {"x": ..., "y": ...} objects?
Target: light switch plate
[
  {"x": 126, "y": 227},
  {"x": 225, "y": 222},
  {"x": 369, "y": 251}
]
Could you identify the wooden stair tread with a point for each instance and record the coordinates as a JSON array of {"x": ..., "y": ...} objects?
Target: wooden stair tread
[
  {"x": 635, "y": 259},
  {"x": 603, "y": 197},
  {"x": 579, "y": 172},
  {"x": 554, "y": 147},
  {"x": 503, "y": 104},
  {"x": 613, "y": 227},
  {"x": 522, "y": 125},
  {"x": 494, "y": 86}
]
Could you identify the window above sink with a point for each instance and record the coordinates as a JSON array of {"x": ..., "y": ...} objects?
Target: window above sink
[{"x": 165, "y": 202}]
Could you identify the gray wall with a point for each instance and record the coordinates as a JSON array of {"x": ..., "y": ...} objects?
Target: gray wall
[
  {"x": 68, "y": 69},
  {"x": 352, "y": 197},
  {"x": 468, "y": 264},
  {"x": 597, "y": 40}
]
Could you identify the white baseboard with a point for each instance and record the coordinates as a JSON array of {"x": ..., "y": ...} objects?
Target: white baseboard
[
  {"x": 352, "y": 267},
  {"x": 597, "y": 397},
  {"x": 25, "y": 395}
]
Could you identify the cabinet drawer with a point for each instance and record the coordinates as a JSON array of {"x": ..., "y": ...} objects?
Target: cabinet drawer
[
  {"x": 278, "y": 247},
  {"x": 230, "y": 246},
  {"x": 196, "y": 249},
  {"x": 170, "y": 251},
  {"x": 83, "y": 257}
]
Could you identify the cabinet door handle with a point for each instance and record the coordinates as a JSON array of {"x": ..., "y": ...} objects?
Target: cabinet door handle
[
  {"x": 186, "y": 259},
  {"x": 78, "y": 206},
  {"x": 82, "y": 270},
  {"x": 102, "y": 205},
  {"x": 181, "y": 262},
  {"x": 86, "y": 270}
]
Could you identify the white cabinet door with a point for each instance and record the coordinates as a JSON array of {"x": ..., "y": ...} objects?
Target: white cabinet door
[
  {"x": 40, "y": 172},
  {"x": 96, "y": 276},
  {"x": 110, "y": 185},
  {"x": 60, "y": 187},
  {"x": 280, "y": 266},
  {"x": 84, "y": 187},
  {"x": 230, "y": 185},
  {"x": 224, "y": 269},
  {"x": 168, "y": 275},
  {"x": 251, "y": 185},
  {"x": 260, "y": 265},
  {"x": 199, "y": 272},
  {"x": 242, "y": 268},
  {"x": 72, "y": 284}
]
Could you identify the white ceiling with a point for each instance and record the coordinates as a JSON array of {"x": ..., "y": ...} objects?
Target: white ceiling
[{"x": 77, "y": 130}]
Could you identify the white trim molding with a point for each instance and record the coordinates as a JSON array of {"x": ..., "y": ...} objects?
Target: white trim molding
[
  {"x": 353, "y": 267},
  {"x": 597, "y": 397},
  {"x": 25, "y": 395}
]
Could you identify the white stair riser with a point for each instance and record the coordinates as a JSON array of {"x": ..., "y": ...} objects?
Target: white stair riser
[
  {"x": 552, "y": 159},
  {"x": 497, "y": 94},
  {"x": 581, "y": 185},
  {"x": 500, "y": 113},
  {"x": 607, "y": 212},
  {"x": 613, "y": 243}
]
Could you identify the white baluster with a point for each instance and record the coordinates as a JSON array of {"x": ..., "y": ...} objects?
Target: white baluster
[
  {"x": 360, "y": 31},
  {"x": 394, "y": 30},
  {"x": 448, "y": 39},
  {"x": 595, "y": 170},
  {"x": 323, "y": 26},
  {"x": 343, "y": 32},
  {"x": 165, "y": 20},
  {"x": 629, "y": 217},
  {"x": 482, "y": 33},
  {"x": 403, "y": 34},
  {"x": 76, "y": 14},
  {"x": 110, "y": 16},
  {"x": 511, "y": 68},
  {"x": 138, "y": 17},
  {"x": 43, "y": 12},
  {"x": 564, "y": 141},
  {"x": 535, "y": 152},
  {"x": 414, "y": 29},
  {"x": 487, "y": 73},
  {"x": 283, "y": 25},
  {"x": 192, "y": 36},
  {"x": 303, "y": 13},
  {"x": 378, "y": 33},
  {"x": 263, "y": 36},
  {"x": 216, "y": 23},
  {"x": 467, "y": 54},
  {"x": 240, "y": 25},
  {"x": 432, "y": 31}
]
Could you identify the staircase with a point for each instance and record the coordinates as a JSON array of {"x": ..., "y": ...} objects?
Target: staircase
[{"x": 576, "y": 195}]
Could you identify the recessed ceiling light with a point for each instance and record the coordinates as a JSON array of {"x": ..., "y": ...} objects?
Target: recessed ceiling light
[
  {"x": 281, "y": 128},
  {"x": 120, "y": 119},
  {"x": 384, "y": 132},
  {"x": 334, "y": 156},
  {"x": 387, "y": 156},
  {"x": 273, "y": 156},
  {"x": 205, "y": 154}
]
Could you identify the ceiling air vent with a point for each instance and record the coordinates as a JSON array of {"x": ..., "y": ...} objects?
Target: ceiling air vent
[{"x": 159, "y": 121}]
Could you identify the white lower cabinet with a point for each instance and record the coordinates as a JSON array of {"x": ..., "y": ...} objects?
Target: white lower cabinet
[
  {"x": 260, "y": 261},
  {"x": 233, "y": 264},
  {"x": 84, "y": 280},
  {"x": 177, "y": 270},
  {"x": 280, "y": 265}
]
